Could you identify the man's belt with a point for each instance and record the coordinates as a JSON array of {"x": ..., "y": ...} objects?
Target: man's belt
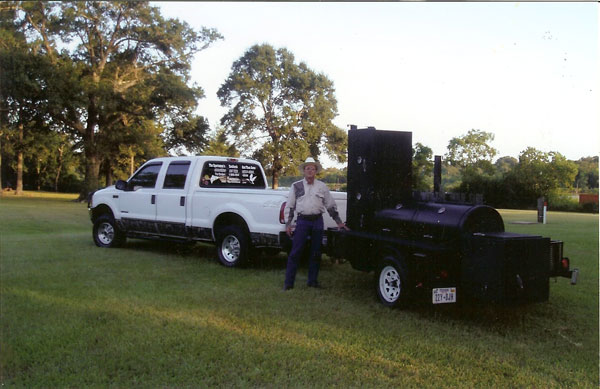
[{"x": 311, "y": 218}]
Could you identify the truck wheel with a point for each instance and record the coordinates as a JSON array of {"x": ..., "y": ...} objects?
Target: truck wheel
[
  {"x": 232, "y": 246},
  {"x": 106, "y": 233},
  {"x": 391, "y": 282}
]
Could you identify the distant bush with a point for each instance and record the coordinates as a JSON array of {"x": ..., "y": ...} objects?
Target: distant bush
[
  {"x": 562, "y": 202},
  {"x": 589, "y": 207},
  {"x": 565, "y": 202}
]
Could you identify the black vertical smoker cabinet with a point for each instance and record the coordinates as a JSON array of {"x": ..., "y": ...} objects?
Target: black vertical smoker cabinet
[{"x": 379, "y": 173}]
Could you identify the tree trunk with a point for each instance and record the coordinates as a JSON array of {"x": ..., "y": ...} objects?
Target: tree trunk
[
  {"x": 38, "y": 171},
  {"x": 108, "y": 173},
  {"x": 61, "y": 150},
  {"x": 0, "y": 161},
  {"x": 92, "y": 162},
  {"x": 277, "y": 167},
  {"x": 131, "y": 164},
  {"x": 19, "y": 187},
  {"x": 92, "y": 171}
]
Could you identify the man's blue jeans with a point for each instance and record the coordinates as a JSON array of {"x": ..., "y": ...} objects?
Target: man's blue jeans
[{"x": 304, "y": 229}]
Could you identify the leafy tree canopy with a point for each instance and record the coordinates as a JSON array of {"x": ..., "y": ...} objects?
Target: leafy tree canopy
[
  {"x": 116, "y": 66},
  {"x": 472, "y": 151},
  {"x": 540, "y": 172},
  {"x": 587, "y": 175},
  {"x": 505, "y": 164},
  {"x": 218, "y": 144},
  {"x": 280, "y": 112},
  {"x": 422, "y": 167}
]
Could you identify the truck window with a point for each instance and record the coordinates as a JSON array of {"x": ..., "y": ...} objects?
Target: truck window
[
  {"x": 146, "y": 177},
  {"x": 225, "y": 174},
  {"x": 176, "y": 175}
]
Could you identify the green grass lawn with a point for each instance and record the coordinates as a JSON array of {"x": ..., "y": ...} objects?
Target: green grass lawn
[{"x": 154, "y": 314}]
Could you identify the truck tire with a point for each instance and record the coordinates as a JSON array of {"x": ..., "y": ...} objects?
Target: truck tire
[
  {"x": 106, "y": 233},
  {"x": 391, "y": 282},
  {"x": 232, "y": 246}
]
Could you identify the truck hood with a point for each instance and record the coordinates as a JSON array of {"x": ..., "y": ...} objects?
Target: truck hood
[{"x": 96, "y": 197}]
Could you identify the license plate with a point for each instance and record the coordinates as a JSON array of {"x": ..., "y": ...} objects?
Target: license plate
[{"x": 444, "y": 295}]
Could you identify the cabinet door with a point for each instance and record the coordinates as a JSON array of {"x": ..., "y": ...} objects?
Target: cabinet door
[
  {"x": 171, "y": 200},
  {"x": 138, "y": 203}
]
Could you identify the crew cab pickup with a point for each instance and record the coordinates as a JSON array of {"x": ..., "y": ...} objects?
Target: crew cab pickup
[{"x": 200, "y": 198}]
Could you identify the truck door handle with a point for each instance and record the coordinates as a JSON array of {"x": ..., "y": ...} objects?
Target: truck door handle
[
  {"x": 182, "y": 201},
  {"x": 153, "y": 200}
]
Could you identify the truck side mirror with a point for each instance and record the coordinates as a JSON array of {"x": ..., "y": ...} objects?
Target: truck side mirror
[{"x": 121, "y": 185}]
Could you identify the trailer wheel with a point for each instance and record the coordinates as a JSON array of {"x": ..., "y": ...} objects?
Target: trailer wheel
[
  {"x": 391, "y": 282},
  {"x": 232, "y": 246}
]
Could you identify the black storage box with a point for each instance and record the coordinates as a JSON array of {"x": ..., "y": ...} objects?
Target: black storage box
[{"x": 506, "y": 268}]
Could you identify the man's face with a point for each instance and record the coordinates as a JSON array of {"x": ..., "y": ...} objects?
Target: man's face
[{"x": 310, "y": 171}]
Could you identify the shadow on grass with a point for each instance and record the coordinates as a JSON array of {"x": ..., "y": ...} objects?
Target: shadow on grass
[
  {"x": 494, "y": 317},
  {"x": 183, "y": 249},
  {"x": 204, "y": 251},
  {"x": 266, "y": 261},
  {"x": 358, "y": 288}
]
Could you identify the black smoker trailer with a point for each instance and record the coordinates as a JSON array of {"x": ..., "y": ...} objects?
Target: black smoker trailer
[{"x": 443, "y": 250}]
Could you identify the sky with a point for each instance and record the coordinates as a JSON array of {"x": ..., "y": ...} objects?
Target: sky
[{"x": 526, "y": 72}]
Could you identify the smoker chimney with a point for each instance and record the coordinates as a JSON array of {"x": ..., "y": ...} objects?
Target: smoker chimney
[{"x": 437, "y": 175}]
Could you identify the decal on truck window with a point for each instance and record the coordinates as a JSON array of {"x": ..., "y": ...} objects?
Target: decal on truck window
[{"x": 225, "y": 174}]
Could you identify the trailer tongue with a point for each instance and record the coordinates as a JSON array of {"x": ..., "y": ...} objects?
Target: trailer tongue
[{"x": 445, "y": 251}]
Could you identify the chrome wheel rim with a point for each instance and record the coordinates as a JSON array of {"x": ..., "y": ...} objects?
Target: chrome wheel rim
[
  {"x": 390, "y": 284},
  {"x": 231, "y": 248},
  {"x": 106, "y": 233}
]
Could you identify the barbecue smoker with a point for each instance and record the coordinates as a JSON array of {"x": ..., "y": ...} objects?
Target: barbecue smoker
[{"x": 435, "y": 249}]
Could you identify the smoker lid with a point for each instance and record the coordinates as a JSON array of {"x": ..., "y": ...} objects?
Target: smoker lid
[{"x": 458, "y": 217}]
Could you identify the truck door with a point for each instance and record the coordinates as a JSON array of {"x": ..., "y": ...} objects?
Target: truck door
[
  {"x": 138, "y": 203},
  {"x": 171, "y": 200}
]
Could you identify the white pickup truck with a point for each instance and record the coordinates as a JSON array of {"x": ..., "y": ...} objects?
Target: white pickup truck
[{"x": 212, "y": 199}]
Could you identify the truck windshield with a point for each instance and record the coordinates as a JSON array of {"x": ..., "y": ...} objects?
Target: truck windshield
[{"x": 225, "y": 174}]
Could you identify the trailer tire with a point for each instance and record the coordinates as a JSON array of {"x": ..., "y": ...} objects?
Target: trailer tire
[
  {"x": 106, "y": 233},
  {"x": 232, "y": 246},
  {"x": 391, "y": 282}
]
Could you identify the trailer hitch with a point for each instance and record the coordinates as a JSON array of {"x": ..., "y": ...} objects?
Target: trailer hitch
[
  {"x": 574, "y": 275},
  {"x": 559, "y": 265}
]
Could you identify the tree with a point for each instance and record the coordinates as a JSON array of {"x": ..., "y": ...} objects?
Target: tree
[
  {"x": 538, "y": 173},
  {"x": 422, "y": 167},
  {"x": 40, "y": 159},
  {"x": 279, "y": 111},
  {"x": 334, "y": 178},
  {"x": 139, "y": 139},
  {"x": 115, "y": 63},
  {"x": 505, "y": 164},
  {"x": 190, "y": 135},
  {"x": 23, "y": 100},
  {"x": 472, "y": 152},
  {"x": 219, "y": 145},
  {"x": 587, "y": 174}
]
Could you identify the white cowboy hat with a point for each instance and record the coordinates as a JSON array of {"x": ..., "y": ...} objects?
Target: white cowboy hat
[{"x": 311, "y": 161}]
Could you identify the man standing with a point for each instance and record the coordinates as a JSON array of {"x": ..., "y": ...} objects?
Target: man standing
[{"x": 309, "y": 198}]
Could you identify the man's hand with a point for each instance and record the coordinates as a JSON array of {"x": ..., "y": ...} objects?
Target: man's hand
[
  {"x": 342, "y": 226},
  {"x": 288, "y": 230}
]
